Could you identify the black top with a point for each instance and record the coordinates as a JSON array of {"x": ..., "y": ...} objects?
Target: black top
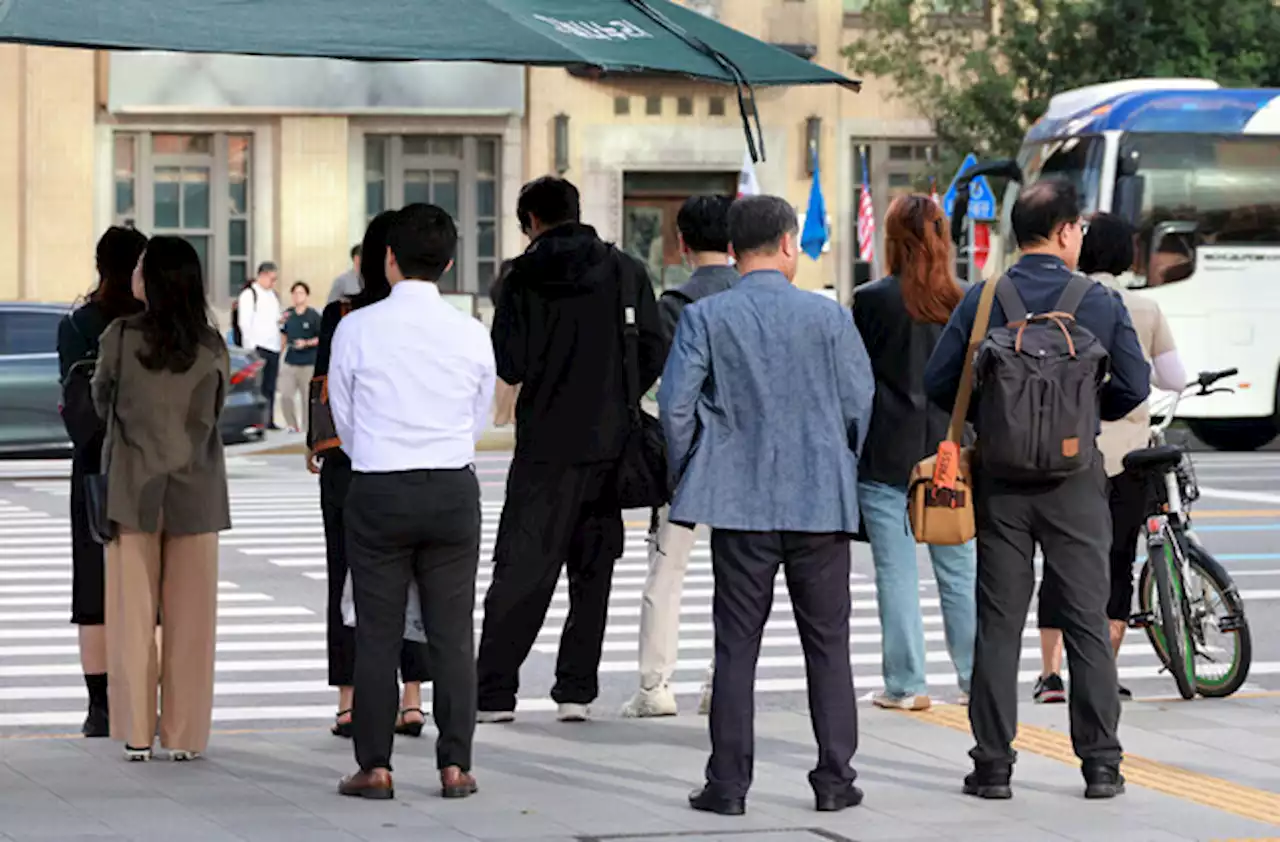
[
  {"x": 78, "y": 335},
  {"x": 300, "y": 326},
  {"x": 328, "y": 326},
  {"x": 557, "y": 331},
  {"x": 905, "y": 425}
]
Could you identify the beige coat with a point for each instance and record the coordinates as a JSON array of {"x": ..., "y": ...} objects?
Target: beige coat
[{"x": 163, "y": 452}]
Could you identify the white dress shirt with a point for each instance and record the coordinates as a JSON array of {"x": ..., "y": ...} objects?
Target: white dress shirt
[
  {"x": 411, "y": 382},
  {"x": 259, "y": 318}
]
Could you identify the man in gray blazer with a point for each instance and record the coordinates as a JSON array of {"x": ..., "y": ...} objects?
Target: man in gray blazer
[{"x": 765, "y": 401}]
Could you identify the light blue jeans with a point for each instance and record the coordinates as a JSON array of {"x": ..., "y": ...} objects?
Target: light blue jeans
[{"x": 893, "y": 549}]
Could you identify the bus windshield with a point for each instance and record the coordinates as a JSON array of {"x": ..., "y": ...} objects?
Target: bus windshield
[{"x": 1076, "y": 159}]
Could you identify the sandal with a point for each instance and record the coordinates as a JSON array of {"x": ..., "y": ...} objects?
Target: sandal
[
  {"x": 411, "y": 728},
  {"x": 340, "y": 728}
]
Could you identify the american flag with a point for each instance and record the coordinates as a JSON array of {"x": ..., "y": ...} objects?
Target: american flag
[{"x": 866, "y": 219}]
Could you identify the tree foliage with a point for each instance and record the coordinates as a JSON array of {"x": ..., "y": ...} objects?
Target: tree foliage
[{"x": 983, "y": 79}]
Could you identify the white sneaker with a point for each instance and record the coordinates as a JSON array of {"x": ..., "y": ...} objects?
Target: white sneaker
[
  {"x": 963, "y": 700},
  {"x": 493, "y": 717},
  {"x": 659, "y": 701},
  {"x": 568, "y": 712},
  {"x": 704, "y": 699},
  {"x": 182, "y": 755},
  {"x": 912, "y": 703}
]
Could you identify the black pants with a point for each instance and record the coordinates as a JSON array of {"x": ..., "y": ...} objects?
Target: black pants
[
  {"x": 1071, "y": 522},
  {"x": 1127, "y": 498},
  {"x": 270, "y": 377},
  {"x": 88, "y": 573},
  {"x": 335, "y": 482},
  {"x": 554, "y": 516},
  {"x": 422, "y": 526},
  {"x": 817, "y": 571}
]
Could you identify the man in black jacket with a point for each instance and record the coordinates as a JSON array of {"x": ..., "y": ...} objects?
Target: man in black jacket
[{"x": 557, "y": 333}]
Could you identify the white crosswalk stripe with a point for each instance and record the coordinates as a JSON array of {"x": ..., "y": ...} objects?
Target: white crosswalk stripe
[{"x": 271, "y": 663}]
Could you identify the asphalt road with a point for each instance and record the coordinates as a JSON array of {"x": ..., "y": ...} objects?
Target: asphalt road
[{"x": 271, "y": 642}]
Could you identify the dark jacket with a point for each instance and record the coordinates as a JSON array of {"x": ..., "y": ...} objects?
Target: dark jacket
[
  {"x": 1040, "y": 280},
  {"x": 905, "y": 425},
  {"x": 703, "y": 282},
  {"x": 557, "y": 332}
]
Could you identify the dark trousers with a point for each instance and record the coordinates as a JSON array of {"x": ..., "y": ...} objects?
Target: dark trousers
[
  {"x": 817, "y": 571},
  {"x": 554, "y": 516},
  {"x": 1071, "y": 522},
  {"x": 335, "y": 482},
  {"x": 270, "y": 377},
  {"x": 422, "y": 526}
]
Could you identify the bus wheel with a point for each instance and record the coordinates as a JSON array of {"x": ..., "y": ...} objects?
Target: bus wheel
[{"x": 1235, "y": 435}]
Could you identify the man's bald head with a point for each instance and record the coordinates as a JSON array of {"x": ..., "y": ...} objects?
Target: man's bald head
[{"x": 1046, "y": 220}]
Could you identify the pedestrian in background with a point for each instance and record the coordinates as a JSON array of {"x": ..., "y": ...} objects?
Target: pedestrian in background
[
  {"x": 160, "y": 383},
  {"x": 334, "y": 466},
  {"x": 900, "y": 318},
  {"x": 411, "y": 388},
  {"x": 1106, "y": 255},
  {"x": 703, "y": 223},
  {"x": 765, "y": 401},
  {"x": 258, "y": 315},
  {"x": 558, "y": 335},
  {"x": 301, "y": 336},
  {"x": 348, "y": 284},
  {"x": 79, "y": 334}
]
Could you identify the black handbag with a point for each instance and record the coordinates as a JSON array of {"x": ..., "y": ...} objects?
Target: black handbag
[
  {"x": 100, "y": 525},
  {"x": 642, "y": 469}
]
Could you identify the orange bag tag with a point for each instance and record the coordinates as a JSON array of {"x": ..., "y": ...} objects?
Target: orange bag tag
[{"x": 947, "y": 468}]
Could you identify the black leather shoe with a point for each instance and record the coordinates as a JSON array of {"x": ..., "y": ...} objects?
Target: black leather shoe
[
  {"x": 1102, "y": 781},
  {"x": 97, "y": 723},
  {"x": 991, "y": 784},
  {"x": 841, "y": 799},
  {"x": 705, "y": 801}
]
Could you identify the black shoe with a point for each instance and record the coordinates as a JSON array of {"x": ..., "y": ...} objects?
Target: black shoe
[
  {"x": 1126, "y": 695},
  {"x": 1050, "y": 690},
  {"x": 706, "y": 801},
  {"x": 1102, "y": 781},
  {"x": 990, "y": 784},
  {"x": 97, "y": 723},
  {"x": 833, "y": 802}
]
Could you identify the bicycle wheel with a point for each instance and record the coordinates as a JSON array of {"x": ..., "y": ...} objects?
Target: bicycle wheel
[
  {"x": 1220, "y": 629},
  {"x": 1167, "y": 630}
]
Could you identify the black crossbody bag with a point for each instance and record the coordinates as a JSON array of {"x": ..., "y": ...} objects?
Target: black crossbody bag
[{"x": 642, "y": 470}]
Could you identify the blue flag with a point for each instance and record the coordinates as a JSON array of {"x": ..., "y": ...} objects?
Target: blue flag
[{"x": 813, "y": 239}]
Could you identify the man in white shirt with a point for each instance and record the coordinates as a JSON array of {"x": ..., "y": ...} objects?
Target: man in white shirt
[
  {"x": 411, "y": 385},
  {"x": 258, "y": 311}
]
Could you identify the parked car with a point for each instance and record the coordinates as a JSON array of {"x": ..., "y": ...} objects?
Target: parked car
[{"x": 31, "y": 392}]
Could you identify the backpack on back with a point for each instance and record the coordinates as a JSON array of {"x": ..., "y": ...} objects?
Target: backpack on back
[
  {"x": 1038, "y": 380},
  {"x": 79, "y": 415},
  {"x": 237, "y": 332}
]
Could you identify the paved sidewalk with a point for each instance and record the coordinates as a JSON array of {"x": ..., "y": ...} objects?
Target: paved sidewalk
[{"x": 540, "y": 780}]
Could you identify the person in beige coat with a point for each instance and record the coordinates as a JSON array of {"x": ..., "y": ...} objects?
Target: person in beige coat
[{"x": 160, "y": 383}]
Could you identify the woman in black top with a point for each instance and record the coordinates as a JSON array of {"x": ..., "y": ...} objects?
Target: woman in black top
[
  {"x": 334, "y": 467},
  {"x": 78, "y": 336}
]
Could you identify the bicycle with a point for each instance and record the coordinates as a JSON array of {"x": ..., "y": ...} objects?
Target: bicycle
[{"x": 1181, "y": 583}]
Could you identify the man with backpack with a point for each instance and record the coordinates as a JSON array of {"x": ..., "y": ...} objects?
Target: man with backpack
[
  {"x": 1061, "y": 356},
  {"x": 258, "y": 318},
  {"x": 703, "y": 222}
]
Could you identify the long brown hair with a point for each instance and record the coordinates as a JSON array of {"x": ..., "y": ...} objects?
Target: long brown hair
[{"x": 919, "y": 254}]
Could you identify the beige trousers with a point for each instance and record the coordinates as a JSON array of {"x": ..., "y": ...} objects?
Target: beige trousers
[
  {"x": 176, "y": 576},
  {"x": 669, "y": 549},
  {"x": 294, "y": 388}
]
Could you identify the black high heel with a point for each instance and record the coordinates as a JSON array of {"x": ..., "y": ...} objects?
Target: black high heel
[
  {"x": 340, "y": 728},
  {"x": 411, "y": 729}
]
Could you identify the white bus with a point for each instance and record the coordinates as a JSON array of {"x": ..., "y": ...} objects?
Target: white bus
[{"x": 1196, "y": 169}]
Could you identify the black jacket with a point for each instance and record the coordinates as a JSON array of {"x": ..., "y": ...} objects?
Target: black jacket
[
  {"x": 557, "y": 331},
  {"x": 905, "y": 425},
  {"x": 703, "y": 282}
]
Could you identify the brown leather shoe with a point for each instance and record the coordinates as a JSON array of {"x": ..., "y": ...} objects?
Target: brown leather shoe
[
  {"x": 455, "y": 783},
  {"x": 374, "y": 783}
]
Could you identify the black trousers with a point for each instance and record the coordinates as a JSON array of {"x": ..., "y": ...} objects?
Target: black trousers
[
  {"x": 554, "y": 516},
  {"x": 1071, "y": 522},
  {"x": 422, "y": 526},
  {"x": 88, "y": 571},
  {"x": 270, "y": 378},
  {"x": 817, "y": 570},
  {"x": 335, "y": 483}
]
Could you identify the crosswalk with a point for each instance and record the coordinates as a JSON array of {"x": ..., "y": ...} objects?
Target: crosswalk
[{"x": 271, "y": 662}]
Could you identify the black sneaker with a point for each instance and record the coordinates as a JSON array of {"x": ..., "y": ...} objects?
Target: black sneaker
[
  {"x": 1126, "y": 695},
  {"x": 1050, "y": 690},
  {"x": 988, "y": 783},
  {"x": 1102, "y": 781},
  {"x": 97, "y": 723}
]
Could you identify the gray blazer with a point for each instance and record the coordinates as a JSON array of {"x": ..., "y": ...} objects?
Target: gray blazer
[
  {"x": 765, "y": 402},
  {"x": 163, "y": 453}
]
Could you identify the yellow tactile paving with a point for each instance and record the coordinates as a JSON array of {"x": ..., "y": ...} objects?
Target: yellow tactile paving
[
  {"x": 1248, "y": 802},
  {"x": 1200, "y": 514}
]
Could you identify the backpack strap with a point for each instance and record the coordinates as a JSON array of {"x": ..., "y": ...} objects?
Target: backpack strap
[
  {"x": 1077, "y": 288},
  {"x": 981, "y": 321},
  {"x": 1015, "y": 311}
]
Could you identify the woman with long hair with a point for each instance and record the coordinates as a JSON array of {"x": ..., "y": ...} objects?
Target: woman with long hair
[
  {"x": 78, "y": 337},
  {"x": 901, "y": 318},
  {"x": 334, "y": 467},
  {"x": 159, "y": 385}
]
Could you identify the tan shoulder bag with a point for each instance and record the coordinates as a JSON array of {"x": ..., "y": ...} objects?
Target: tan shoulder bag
[{"x": 940, "y": 493}]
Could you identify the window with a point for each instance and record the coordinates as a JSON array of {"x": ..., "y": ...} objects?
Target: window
[
  {"x": 653, "y": 106},
  {"x": 894, "y": 168},
  {"x": 28, "y": 333},
  {"x": 193, "y": 185},
  {"x": 684, "y": 106},
  {"x": 459, "y": 173},
  {"x": 622, "y": 105},
  {"x": 716, "y": 106}
]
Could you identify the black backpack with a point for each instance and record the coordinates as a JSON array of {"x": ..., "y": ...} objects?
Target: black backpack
[
  {"x": 1038, "y": 380},
  {"x": 79, "y": 415},
  {"x": 237, "y": 333}
]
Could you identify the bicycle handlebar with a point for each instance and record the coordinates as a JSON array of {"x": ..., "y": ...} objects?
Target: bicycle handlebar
[
  {"x": 1208, "y": 378},
  {"x": 1201, "y": 384}
]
